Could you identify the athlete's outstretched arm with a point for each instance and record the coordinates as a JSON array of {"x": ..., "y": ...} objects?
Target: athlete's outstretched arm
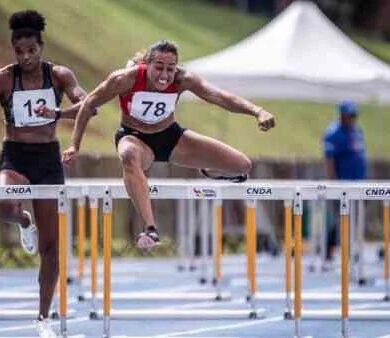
[
  {"x": 228, "y": 101},
  {"x": 117, "y": 82}
]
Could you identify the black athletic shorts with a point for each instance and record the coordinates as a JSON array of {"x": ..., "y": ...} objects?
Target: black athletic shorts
[
  {"x": 40, "y": 163},
  {"x": 161, "y": 143}
]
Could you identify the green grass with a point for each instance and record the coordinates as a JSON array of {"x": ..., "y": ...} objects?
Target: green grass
[
  {"x": 298, "y": 132},
  {"x": 94, "y": 37},
  {"x": 374, "y": 46}
]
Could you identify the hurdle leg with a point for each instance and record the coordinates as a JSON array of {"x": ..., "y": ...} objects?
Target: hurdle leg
[
  {"x": 191, "y": 219},
  {"x": 80, "y": 245},
  {"x": 386, "y": 245},
  {"x": 353, "y": 238},
  {"x": 323, "y": 230},
  {"x": 251, "y": 253},
  {"x": 287, "y": 255},
  {"x": 62, "y": 243},
  {"x": 204, "y": 234},
  {"x": 93, "y": 254},
  {"x": 298, "y": 210},
  {"x": 217, "y": 252},
  {"x": 107, "y": 238},
  {"x": 344, "y": 242},
  {"x": 181, "y": 234},
  {"x": 313, "y": 234},
  {"x": 362, "y": 280}
]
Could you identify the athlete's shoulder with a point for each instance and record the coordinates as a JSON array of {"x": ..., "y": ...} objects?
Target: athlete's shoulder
[
  {"x": 185, "y": 79},
  {"x": 6, "y": 76},
  {"x": 121, "y": 80},
  {"x": 6, "y": 71},
  {"x": 123, "y": 74},
  {"x": 62, "y": 74}
]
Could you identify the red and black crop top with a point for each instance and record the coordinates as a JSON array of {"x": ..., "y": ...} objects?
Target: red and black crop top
[{"x": 149, "y": 107}]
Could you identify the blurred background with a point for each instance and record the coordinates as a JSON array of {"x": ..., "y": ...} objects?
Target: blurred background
[{"x": 94, "y": 37}]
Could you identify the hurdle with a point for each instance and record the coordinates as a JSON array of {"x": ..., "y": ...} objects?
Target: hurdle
[
  {"x": 80, "y": 245},
  {"x": 217, "y": 193},
  {"x": 386, "y": 247},
  {"x": 182, "y": 190},
  {"x": 317, "y": 191},
  {"x": 28, "y": 192},
  {"x": 204, "y": 239},
  {"x": 93, "y": 212},
  {"x": 94, "y": 295},
  {"x": 345, "y": 194}
]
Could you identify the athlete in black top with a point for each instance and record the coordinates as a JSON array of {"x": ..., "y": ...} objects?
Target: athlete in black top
[{"x": 30, "y": 93}]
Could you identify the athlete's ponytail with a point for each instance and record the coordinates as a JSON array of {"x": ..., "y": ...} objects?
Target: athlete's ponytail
[{"x": 138, "y": 58}]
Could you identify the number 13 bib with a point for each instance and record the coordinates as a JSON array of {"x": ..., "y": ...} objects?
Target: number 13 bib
[
  {"x": 25, "y": 101},
  {"x": 152, "y": 107}
]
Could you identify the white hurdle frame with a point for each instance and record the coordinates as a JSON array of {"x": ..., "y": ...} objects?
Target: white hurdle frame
[
  {"x": 185, "y": 190},
  {"x": 196, "y": 189},
  {"x": 271, "y": 191},
  {"x": 61, "y": 194},
  {"x": 345, "y": 193}
]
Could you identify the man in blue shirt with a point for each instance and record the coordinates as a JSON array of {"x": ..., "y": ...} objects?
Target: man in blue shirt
[{"x": 345, "y": 157}]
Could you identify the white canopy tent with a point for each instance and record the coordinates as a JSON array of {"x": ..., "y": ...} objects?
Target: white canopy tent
[{"x": 301, "y": 54}]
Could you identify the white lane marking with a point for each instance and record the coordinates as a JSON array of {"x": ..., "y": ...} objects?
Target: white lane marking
[
  {"x": 222, "y": 327},
  {"x": 152, "y": 337},
  {"x": 18, "y": 305},
  {"x": 30, "y": 326},
  {"x": 75, "y": 336}
]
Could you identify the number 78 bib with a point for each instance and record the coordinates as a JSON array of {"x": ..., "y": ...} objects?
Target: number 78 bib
[{"x": 152, "y": 107}]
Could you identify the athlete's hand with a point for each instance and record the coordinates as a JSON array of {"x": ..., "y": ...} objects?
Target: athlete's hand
[
  {"x": 265, "y": 120},
  {"x": 43, "y": 111},
  {"x": 69, "y": 155},
  {"x": 148, "y": 238}
]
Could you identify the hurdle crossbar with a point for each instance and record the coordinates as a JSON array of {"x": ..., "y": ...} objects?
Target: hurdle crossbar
[
  {"x": 196, "y": 189},
  {"x": 185, "y": 314}
]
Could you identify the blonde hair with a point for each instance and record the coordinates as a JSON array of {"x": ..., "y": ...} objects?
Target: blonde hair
[{"x": 138, "y": 58}]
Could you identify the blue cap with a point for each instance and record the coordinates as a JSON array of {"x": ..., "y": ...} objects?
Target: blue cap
[{"x": 348, "y": 108}]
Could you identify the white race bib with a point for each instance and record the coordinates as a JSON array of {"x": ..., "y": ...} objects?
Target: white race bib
[
  {"x": 152, "y": 107},
  {"x": 25, "y": 101}
]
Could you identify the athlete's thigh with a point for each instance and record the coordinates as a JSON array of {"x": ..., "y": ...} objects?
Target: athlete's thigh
[
  {"x": 8, "y": 176},
  {"x": 199, "y": 151},
  {"x": 11, "y": 177},
  {"x": 130, "y": 146}
]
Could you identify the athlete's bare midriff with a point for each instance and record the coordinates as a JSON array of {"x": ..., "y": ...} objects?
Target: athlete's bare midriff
[
  {"x": 131, "y": 122},
  {"x": 38, "y": 134}
]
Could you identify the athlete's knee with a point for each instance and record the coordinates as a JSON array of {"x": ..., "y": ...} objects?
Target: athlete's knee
[
  {"x": 130, "y": 156},
  {"x": 245, "y": 165},
  {"x": 8, "y": 209}
]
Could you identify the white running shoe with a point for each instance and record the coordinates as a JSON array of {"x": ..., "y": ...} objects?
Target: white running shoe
[
  {"x": 29, "y": 237},
  {"x": 44, "y": 329}
]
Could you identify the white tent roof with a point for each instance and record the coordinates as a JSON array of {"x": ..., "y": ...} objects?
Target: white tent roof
[{"x": 302, "y": 55}]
